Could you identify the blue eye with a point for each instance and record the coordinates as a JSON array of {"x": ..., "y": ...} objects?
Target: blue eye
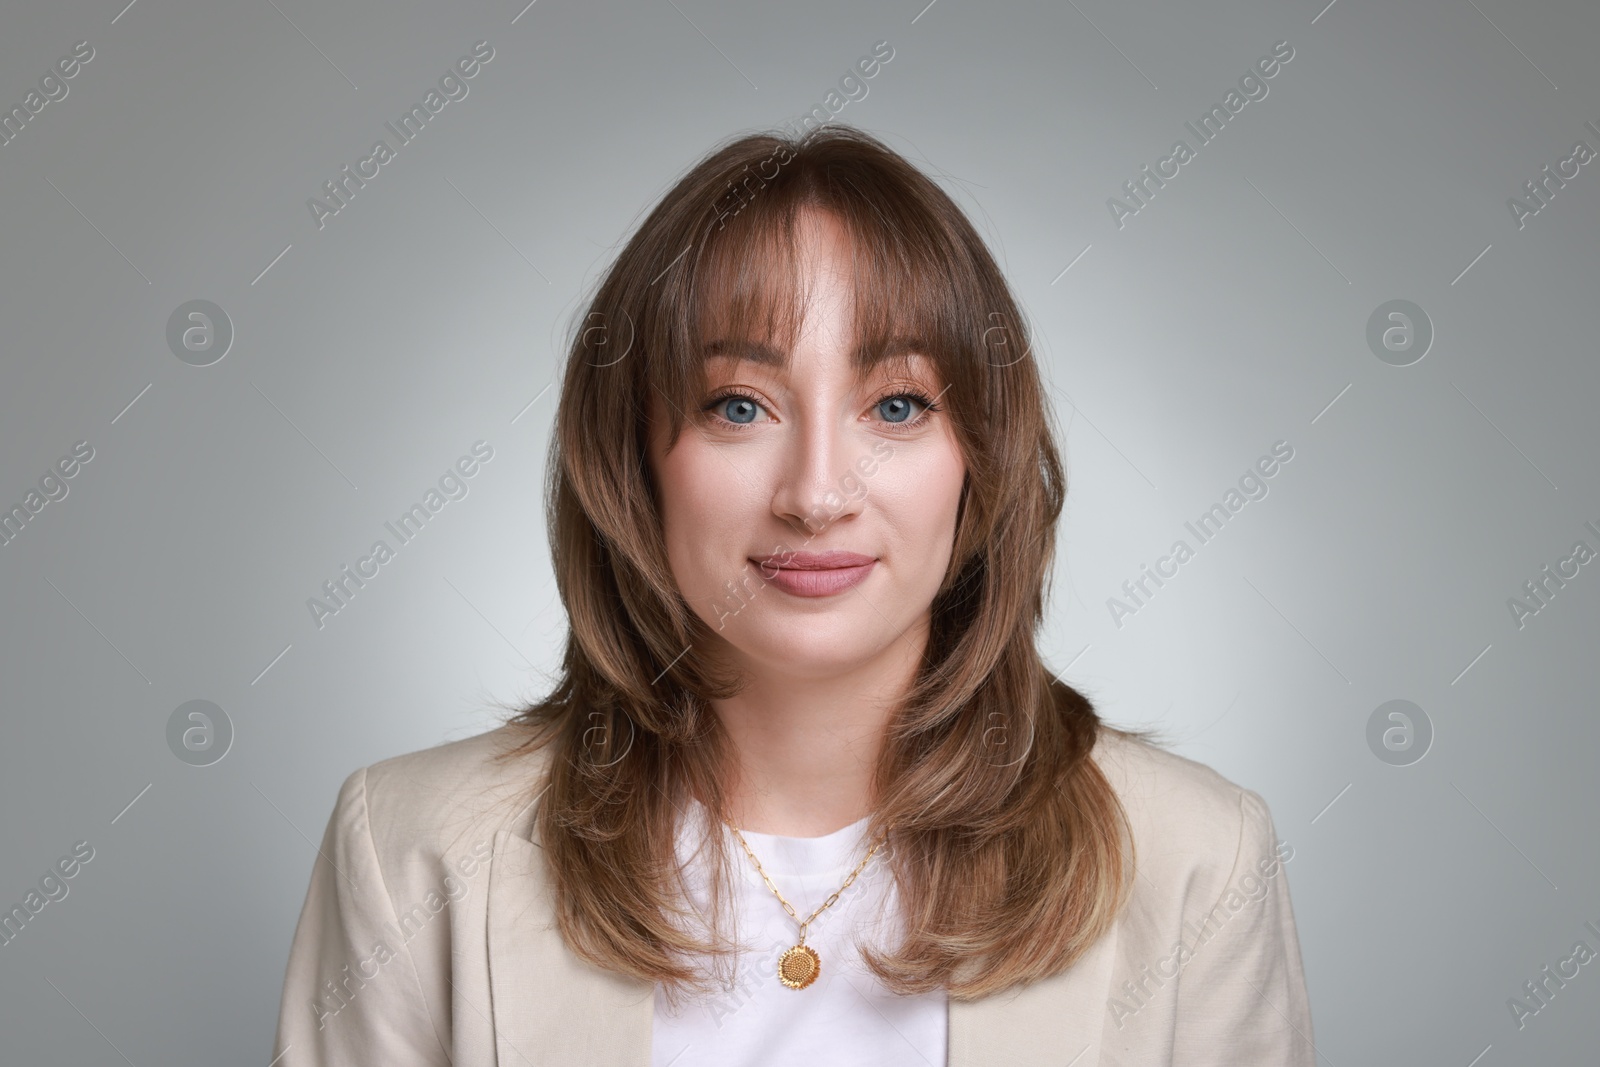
[
  {"x": 745, "y": 407},
  {"x": 739, "y": 411},
  {"x": 897, "y": 408}
]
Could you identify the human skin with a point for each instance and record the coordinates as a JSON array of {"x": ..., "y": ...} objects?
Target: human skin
[{"x": 823, "y": 672}]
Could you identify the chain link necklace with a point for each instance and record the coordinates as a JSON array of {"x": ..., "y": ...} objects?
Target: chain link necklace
[{"x": 799, "y": 966}]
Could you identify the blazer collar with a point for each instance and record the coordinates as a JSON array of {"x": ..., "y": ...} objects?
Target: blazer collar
[{"x": 552, "y": 1009}]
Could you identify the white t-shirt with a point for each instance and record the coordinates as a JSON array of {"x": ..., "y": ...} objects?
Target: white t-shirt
[{"x": 842, "y": 1018}]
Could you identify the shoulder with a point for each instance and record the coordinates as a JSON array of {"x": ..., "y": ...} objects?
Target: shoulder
[
  {"x": 402, "y": 874},
  {"x": 448, "y": 798},
  {"x": 1191, "y": 825},
  {"x": 1210, "y": 902}
]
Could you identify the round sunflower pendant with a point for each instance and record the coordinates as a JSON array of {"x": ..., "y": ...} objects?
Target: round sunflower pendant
[{"x": 799, "y": 966}]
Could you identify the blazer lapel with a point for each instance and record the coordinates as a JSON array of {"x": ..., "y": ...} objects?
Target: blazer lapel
[
  {"x": 550, "y": 1008},
  {"x": 1057, "y": 1021}
]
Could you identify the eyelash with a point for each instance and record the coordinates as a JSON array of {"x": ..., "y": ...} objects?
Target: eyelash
[{"x": 894, "y": 427}]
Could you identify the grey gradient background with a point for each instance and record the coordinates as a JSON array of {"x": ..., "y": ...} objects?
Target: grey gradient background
[{"x": 1228, "y": 314}]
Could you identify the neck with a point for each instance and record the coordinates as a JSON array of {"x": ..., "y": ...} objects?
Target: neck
[{"x": 807, "y": 745}]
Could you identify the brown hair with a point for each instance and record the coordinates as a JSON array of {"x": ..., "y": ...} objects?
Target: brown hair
[{"x": 1009, "y": 848}]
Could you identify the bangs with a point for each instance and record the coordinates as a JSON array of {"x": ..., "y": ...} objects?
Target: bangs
[{"x": 747, "y": 286}]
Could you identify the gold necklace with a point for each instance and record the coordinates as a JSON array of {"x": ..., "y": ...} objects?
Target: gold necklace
[{"x": 799, "y": 966}]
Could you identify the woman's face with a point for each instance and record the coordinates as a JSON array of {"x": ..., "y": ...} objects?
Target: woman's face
[{"x": 778, "y": 468}]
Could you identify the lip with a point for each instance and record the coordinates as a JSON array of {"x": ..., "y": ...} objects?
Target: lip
[
  {"x": 813, "y": 561},
  {"x": 815, "y": 574}
]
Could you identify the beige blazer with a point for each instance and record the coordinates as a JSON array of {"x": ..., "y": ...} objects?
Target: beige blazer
[{"x": 426, "y": 937}]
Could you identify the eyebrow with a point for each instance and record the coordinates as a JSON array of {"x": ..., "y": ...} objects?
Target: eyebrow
[{"x": 754, "y": 351}]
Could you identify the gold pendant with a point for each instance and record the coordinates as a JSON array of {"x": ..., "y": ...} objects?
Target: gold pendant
[{"x": 799, "y": 966}]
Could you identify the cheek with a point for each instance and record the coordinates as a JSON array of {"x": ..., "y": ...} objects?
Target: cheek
[
  {"x": 700, "y": 518},
  {"x": 919, "y": 490},
  {"x": 942, "y": 472}
]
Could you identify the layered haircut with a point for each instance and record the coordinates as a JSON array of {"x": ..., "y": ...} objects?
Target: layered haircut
[{"x": 1009, "y": 849}]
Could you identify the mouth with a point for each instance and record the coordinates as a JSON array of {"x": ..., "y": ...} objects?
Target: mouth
[{"x": 815, "y": 574}]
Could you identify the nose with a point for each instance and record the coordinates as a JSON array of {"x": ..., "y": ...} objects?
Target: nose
[{"x": 817, "y": 481}]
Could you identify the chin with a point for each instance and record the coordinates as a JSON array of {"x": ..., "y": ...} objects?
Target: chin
[{"x": 807, "y": 647}]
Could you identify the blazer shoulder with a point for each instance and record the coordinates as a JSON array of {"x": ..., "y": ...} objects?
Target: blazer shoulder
[
  {"x": 1181, "y": 811},
  {"x": 454, "y": 795}
]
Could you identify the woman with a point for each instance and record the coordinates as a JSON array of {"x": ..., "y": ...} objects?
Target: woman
[{"x": 805, "y": 791}]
